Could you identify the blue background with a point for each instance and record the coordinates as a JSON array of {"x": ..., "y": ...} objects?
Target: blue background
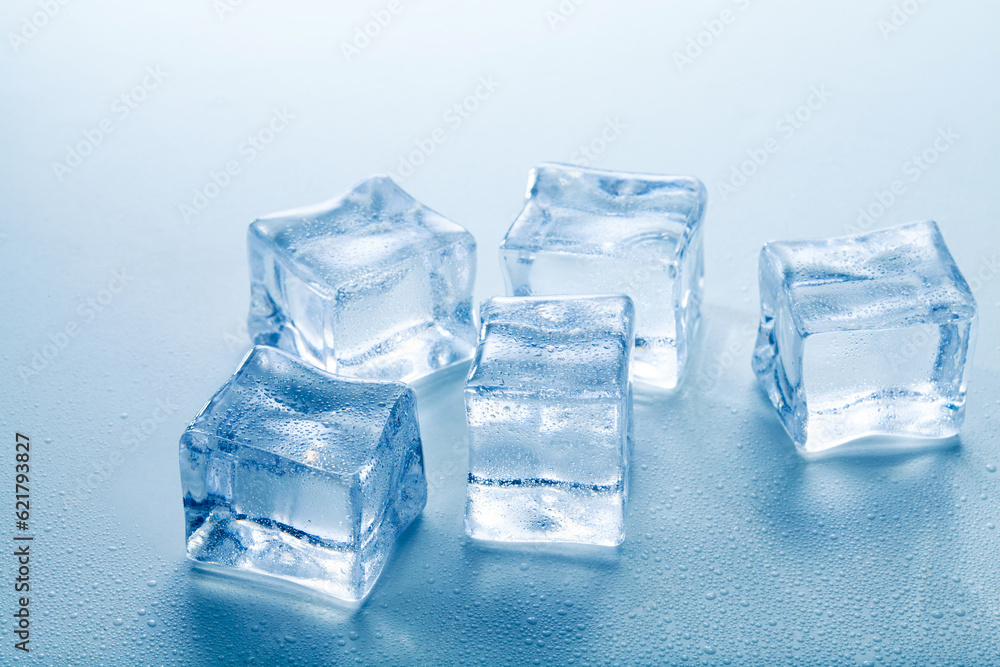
[{"x": 737, "y": 552}]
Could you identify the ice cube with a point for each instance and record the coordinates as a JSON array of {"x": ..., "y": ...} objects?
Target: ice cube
[
  {"x": 867, "y": 335},
  {"x": 294, "y": 473},
  {"x": 549, "y": 406},
  {"x": 372, "y": 284},
  {"x": 584, "y": 231}
]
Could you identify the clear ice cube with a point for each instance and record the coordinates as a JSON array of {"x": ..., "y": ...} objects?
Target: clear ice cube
[
  {"x": 294, "y": 473},
  {"x": 372, "y": 284},
  {"x": 549, "y": 406},
  {"x": 867, "y": 335},
  {"x": 584, "y": 231}
]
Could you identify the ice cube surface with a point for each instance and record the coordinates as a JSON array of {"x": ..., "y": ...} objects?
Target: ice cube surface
[
  {"x": 867, "y": 335},
  {"x": 586, "y": 231},
  {"x": 372, "y": 284},
  {"x": 549, "y": 407},
  {"x": 294, "y": 473}
]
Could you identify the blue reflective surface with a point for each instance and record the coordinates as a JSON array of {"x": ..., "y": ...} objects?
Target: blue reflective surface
[{"x": 127, "y": 292}]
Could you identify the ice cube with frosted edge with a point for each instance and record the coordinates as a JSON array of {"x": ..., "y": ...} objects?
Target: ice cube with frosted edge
[
  {"x": 549, "y": 406},
  {"x": 868, "y": 335},
  {"x": 294, "y": 473},
  {"x": 587, "y": 231},
  {"x": 371, "y": 284}
]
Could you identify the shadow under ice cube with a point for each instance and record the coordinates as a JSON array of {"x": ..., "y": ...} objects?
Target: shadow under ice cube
[
  {"x": 585, "y": 231},
  {"x": 867, "y": 335},
  {"x": 372, "y": 284},
  {"x": 549, "y": 406},
  {"x": 294, "y": 473}
]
